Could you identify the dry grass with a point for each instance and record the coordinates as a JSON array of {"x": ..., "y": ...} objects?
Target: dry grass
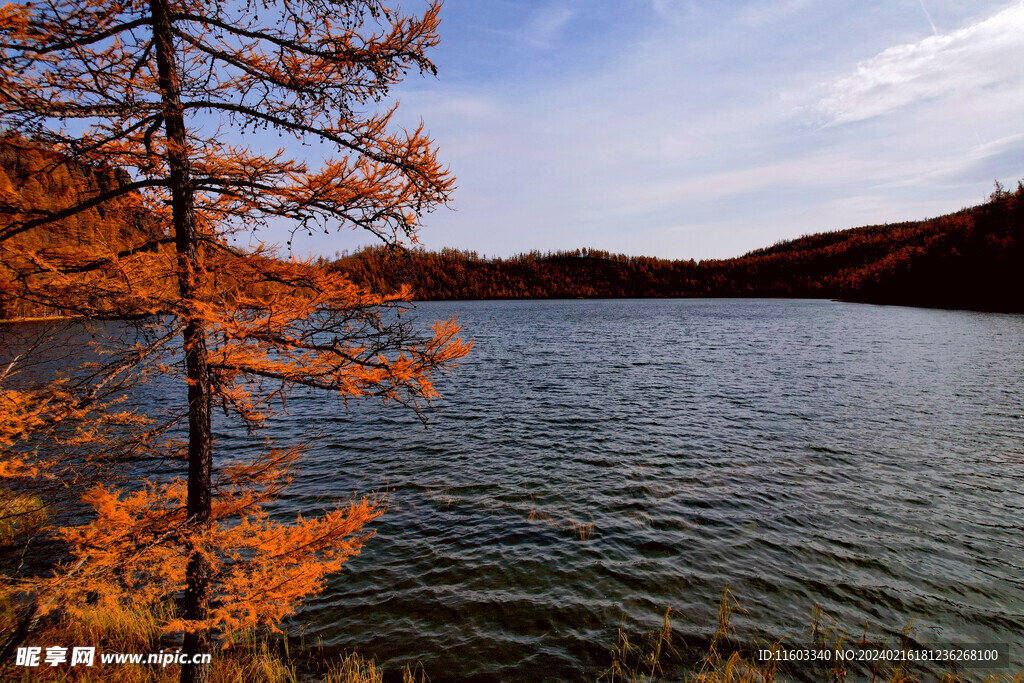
[
  {"x": 254, "y": 660},
  {"x": 258, "y": 661},
  {"x": 632, "y": 663},
  {"x": 584, "y": 531},
  {"x": 356, "y": 669},
  {"x": 723, "y": 664}
]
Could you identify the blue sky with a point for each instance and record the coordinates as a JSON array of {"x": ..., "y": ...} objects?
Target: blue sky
[{"x": 707, "y": 128}]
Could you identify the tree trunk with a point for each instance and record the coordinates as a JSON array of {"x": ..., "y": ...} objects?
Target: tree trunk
[{"x": 200, "y": 438}]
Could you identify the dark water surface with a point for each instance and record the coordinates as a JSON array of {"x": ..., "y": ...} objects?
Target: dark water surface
[{"x": 870, "y": 459}]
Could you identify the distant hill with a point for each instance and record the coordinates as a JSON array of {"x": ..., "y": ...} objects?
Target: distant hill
[
  {"x": 971, "y": 259},
  {"x": 37, "y": 180}
]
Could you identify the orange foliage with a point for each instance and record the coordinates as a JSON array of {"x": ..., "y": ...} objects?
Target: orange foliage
[
  {"x": 21, "y": 413},
  {"x": 970, "y": 259},
  {"x": 136, "y": 551},
  {"x": 121, "y": 191}
]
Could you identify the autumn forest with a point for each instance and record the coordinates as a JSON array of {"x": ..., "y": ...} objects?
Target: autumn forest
[
  {"x": 971, "y": 259},
  {"x": 209, "y": 445}
]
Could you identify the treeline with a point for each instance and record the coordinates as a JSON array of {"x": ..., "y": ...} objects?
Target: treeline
[{"x": 971, "y": 259}]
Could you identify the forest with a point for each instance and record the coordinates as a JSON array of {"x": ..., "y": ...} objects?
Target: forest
[
  {"x": 971, "y": 259},
  {"x": 151, "y": 504}
]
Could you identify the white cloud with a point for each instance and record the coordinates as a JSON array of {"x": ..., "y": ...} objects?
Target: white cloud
[
  {"x": 968, "y": 60},
  {"x": 689, "y": 135}
]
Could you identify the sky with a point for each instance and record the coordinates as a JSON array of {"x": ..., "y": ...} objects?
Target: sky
[{"x": 708, "y": 128}]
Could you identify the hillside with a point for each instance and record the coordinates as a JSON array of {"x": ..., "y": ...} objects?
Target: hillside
[
  {"x": 34, "y": 182},
  {"x": 971, "y": 259}
]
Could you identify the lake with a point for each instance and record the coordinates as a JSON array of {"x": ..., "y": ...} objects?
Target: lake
[{"x": 596, "y": 462}]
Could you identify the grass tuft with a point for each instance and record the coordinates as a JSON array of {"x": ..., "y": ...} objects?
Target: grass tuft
[{"x": 724, "y": 662}]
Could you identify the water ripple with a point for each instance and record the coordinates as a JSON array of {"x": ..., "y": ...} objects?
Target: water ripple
[{"x": 598, "y": 461}]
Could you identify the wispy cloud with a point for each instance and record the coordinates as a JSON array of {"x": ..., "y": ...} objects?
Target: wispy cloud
[
  {"x": 545, "y": 28},
  {"x": 688, "y": 128},
  {"x": 968, "y": 60}
]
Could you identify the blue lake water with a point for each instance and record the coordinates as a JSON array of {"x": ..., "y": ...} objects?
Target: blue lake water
[{"x": 595, "y": 462}]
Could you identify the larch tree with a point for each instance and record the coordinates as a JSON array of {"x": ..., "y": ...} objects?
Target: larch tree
[{"x": 173, "y": 102}]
